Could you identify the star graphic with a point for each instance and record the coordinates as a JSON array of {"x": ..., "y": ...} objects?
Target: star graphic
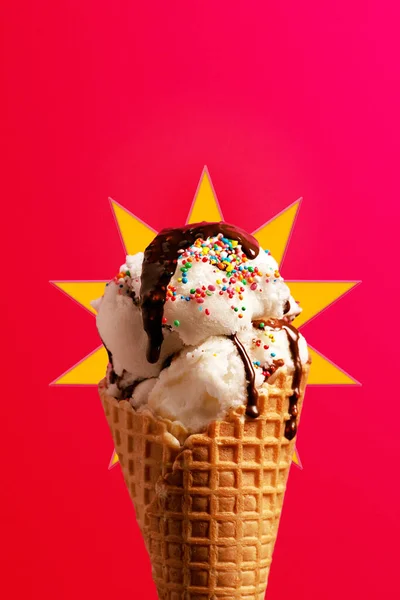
[{"x": 314, "y": 296}]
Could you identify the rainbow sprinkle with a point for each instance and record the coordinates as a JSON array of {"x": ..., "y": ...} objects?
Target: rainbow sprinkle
[{"x": 233, "y": 273}]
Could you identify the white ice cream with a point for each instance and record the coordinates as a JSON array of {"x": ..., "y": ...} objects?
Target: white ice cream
[
  {"x": 201, "y": 384},
  {"x": 204, "y": 382},
  {"x": 267, "y": 300},
  {"x": 119, "y": 322},
  {"x": 204, "y": 305}
]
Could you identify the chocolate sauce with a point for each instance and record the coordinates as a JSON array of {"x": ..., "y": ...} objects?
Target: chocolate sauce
[
  {"x": 133, "y": 297},
  {"x": 113, "y": 376},
  {"x": 110, "y": 358},
  {"x": 291, "y": 424},
  {"x": 293, "y": 337},
  {"x": 167, "y": 362},
  {"x": 127, "y": 392},
  {"x": 252, "y": 394},
  {"x": 286, "y": 307},
  {"x": 159, "y": 265}
]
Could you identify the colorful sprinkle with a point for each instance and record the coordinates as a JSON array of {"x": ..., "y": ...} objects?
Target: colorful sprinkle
[
  {"x": 226, "y": 257},
  {"x": 177, "y": 323}
]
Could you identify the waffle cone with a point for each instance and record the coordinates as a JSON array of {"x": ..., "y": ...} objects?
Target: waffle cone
[{"x": 209, "y": 508}]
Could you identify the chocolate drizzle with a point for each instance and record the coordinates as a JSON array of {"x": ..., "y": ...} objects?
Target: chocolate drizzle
[
  {"x": 159, "y": 265},
  {"x": 134, "y": 298},
  {"x": 293, "y": 337},
  {"x": 252, "y": 394},
  {"x": 167, "y": 362},
  {"x": 127, "y": 391},
  {"x": 286, "y": 307},
  {"x": 109, "y": 354},
  {"x": 113, "y": 377}
]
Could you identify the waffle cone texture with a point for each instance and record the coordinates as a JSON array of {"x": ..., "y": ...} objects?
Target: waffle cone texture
[{"x": 209, "y": 508}]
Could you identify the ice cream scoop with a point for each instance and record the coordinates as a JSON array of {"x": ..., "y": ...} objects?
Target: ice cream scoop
[
  {"x": 203, "y": 382},
  {"x": 203, "y": 304}
]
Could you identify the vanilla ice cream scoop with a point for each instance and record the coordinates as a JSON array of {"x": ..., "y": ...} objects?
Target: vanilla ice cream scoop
[
  {"x": 197, "y": 323},
  {"x": 119, "y": 322},
  {"x": 204, "y": 382}
]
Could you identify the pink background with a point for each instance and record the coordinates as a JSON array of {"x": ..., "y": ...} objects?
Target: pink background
[{"x": 116, "y": 99}]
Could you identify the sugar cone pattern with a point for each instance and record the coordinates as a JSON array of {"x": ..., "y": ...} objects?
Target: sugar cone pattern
[{"x": 208, "y": 510}]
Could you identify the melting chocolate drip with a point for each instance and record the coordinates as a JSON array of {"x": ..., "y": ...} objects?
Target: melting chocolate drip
[
  {"x": 252, "y": 394},
  {"x": 127, "y": 391},
  {"x": 167, "y": 362},
  {"x": 159, "y": 265},
  {"x": 113, "y": 375},
  {"x": 291, "y": 424},
  {"x": 110, "y": 359},
  {"x": 286, "y": 307},
  {"x": 134, "y": 298},
  {"x": 293, "y": 337}
]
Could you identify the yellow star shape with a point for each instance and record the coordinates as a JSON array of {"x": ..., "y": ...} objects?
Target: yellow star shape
[{"x": 314, "y": 296}]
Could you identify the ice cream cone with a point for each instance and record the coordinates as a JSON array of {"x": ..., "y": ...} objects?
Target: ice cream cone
[{"x": 209, "y": 508}]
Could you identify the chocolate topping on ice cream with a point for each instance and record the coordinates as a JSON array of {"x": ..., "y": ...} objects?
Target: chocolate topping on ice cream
[
  {"x": 252, "y": 394},
  {"x": 293, "y": 337}
]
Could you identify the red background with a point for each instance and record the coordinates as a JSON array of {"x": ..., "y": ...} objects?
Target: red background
[{"x": 129, "y": 101}]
